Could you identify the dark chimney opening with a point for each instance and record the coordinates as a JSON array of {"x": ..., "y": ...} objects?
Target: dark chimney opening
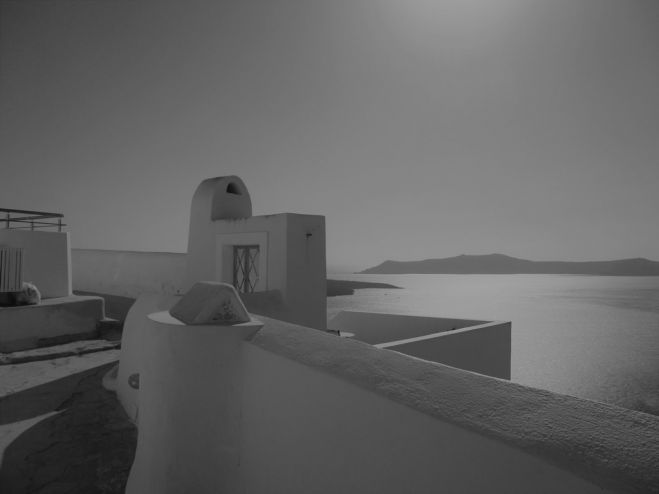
[{"x": 233, "y": 189}]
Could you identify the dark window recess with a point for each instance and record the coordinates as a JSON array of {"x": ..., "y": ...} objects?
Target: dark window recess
[
  {"x": 245, "y": 267},
  {"x": 233, "y": 189}
]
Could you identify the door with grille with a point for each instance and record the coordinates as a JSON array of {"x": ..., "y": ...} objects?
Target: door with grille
[{"x": 245, "y": 267}]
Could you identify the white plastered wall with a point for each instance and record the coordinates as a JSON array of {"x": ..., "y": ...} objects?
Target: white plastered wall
[
  {"x": 291, "y": 260},
  {"x": 46, "y": 259},
  {"x": 323, "y": 414},
  {"x": 268, "y": 232},
  {"x": 478, "y": 346},
  {"x": 307, "y": 431},
  {"x": 212, "y": 204},
  {"x": 128, "y": 274},
  {"x": 306, "y": 270},
  {"x": 292, "y": 250}
]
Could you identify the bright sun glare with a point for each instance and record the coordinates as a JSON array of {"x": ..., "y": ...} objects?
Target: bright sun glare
[{"x": 477, "y": 18}]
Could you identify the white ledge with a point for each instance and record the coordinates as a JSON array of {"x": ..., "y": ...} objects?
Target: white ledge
[{"x": 614, "y": 448}]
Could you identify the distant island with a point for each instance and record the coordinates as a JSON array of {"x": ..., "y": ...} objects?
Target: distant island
[
  {"x": 346, "y": 287},
  {"x": 502, "y": 264}
]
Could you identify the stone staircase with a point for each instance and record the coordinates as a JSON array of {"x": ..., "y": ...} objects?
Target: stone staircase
[{"x": 54, "y": 321}]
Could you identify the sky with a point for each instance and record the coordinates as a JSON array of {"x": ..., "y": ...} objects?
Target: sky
[{"x": 418, "y": 128}]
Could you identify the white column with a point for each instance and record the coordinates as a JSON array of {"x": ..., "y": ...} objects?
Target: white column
[{"x": 190, "y": 408}]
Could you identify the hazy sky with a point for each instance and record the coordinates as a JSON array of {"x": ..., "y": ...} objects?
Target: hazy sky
[{"x": 419, "y": 128}]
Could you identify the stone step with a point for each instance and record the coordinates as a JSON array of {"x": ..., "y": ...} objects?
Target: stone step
[
  {"x": 110, "y": 329},
  {"x": 53, "y": 321},
  {"x": 58, "y": 351}
]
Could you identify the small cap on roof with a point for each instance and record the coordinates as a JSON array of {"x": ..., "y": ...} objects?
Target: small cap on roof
[{"x": 209, "y": 302}]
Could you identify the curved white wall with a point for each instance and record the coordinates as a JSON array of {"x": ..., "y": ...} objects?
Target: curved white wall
[
  {"x": 212, "y": 203},
  {"x": 323, "y": 414},
  {"x": 191, "y": 408},
  {"x": 133, "y": 347}
]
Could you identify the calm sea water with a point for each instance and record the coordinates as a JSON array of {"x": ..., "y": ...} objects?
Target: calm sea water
[{"x": 596, "y": 337}]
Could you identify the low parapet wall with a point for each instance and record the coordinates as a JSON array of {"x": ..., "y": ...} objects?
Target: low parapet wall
[
  {"x": 485, "y": 348},
  {"x": 473, "y": 345},
  {"x": 375, "y": 327},
  {"x": 126, "y": 273},
  {"x": 324, "y": 414},
  {"x": 53, "y": 321}
]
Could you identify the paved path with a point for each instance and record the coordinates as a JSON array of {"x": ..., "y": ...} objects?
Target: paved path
[{"x": 60, "y": 430}]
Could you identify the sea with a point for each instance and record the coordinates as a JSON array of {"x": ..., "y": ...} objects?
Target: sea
[{"x": 594, "y": 337}]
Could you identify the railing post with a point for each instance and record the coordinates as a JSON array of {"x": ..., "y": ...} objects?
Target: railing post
[{"x": 33, "y": 218}]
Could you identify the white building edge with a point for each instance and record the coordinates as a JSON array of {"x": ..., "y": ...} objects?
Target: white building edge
[{"x": 276, "y": 406}]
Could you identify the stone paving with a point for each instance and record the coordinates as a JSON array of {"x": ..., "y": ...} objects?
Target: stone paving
[{"x": 61, "y": 431}]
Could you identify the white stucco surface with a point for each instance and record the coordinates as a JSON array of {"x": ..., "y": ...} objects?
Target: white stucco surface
[
  {"x": 485, "y": 348},
  {"x": 291, "y": 248},
  {"x": 292, "y": 260},
  {"x": 30, "y": 326},
  {"x": 308, "y": 432},
  {"x": 268, "y": 231},
  {"x": 131, "y": 274},
  {"x": 190, "y": 408},
  {"x": 292, "y": 267},
  {"x": 327, "y": 414},
  {"x": 133, "y": 347},
  {"x": 46, "y": 259},
  {"x": 478, "y": 346},
  {"x": 228, "y": 195},
  {"x": 211, "y": 202},
  {"x": 309, "y": 412},
  {"x": 374, "y": 327},
  {"x": 128, "y": 274},
  {"x": 306, "y": 271}
]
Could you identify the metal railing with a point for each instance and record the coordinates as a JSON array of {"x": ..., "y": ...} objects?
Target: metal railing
[{"x": 18, "y": 219}]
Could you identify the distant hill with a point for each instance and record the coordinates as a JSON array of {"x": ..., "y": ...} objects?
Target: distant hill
[
  {"x": 502, "y": 264},
  {"x": 345, "y": 287}
]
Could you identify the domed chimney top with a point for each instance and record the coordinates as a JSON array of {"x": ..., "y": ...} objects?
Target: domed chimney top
[{"x": 229, "y": 197}]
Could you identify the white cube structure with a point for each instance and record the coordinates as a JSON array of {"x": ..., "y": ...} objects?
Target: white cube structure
[
  {"x": 280, "y": 255},
  {"x": 46, "y": 259}
]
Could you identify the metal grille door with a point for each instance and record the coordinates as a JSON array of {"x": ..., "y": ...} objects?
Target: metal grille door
[
  {"x": 11, "y": 269},
  {"x": 245, "y": 267}
]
